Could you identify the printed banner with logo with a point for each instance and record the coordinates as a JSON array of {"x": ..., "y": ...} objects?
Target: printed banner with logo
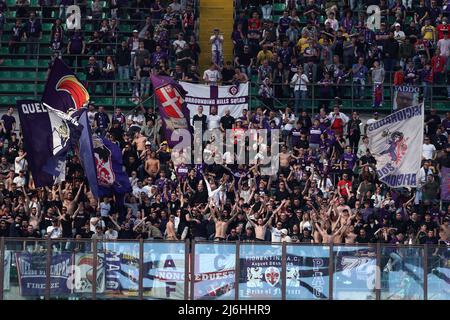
[
  {"x": 307, "y": 272},
  {"x": 84, "y": 273},
  {"x": 405, "y": 96},
  {"x": 445, "y": 184},
  {"x": 31, "y": 272},
  {"x": 260, "y": 272},
  {"x": 354, "y": 277},
  {"x": 171, "y": 105},
  {"x": 233, "y": 97},
  {"x": 396, "y": 143},
  {"x": 37, "y": 138},
  {"x": 214, "y": 275},
  {"x": 164, "y": 273},
  {"x": 122, "y": 269}
]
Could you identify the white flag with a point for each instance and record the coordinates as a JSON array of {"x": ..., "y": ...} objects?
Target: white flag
[{"x": 396, "y": 143}]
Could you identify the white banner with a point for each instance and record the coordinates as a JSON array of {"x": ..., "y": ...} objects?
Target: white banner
[
  {"x": 84, "y": 273},
  {"x": 214, "y": 275},
  {"x": 396, "y": 143},
  {"x": 234, "y": 97},
  {"x": 405, "y": 96}
]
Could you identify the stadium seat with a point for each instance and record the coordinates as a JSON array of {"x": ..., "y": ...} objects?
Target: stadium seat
[{"x": 279, "y": 7}]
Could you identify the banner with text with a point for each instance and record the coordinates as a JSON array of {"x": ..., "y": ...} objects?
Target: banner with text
[
  {"x": 31, "y": 272},
  {"x": 214, "y": 272},
  {"x": 396, "y": 143},
  {"x": 234, "y": 97}
]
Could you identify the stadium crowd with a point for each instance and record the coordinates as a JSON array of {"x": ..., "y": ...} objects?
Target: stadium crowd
[{"x": 326, "y": 190}]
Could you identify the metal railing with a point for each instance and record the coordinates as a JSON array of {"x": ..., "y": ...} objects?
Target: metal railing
[{"x": 144, "y": 269}]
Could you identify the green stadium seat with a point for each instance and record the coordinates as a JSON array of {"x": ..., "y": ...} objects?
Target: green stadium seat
[
  {"x": 276, "y": 18},
  {"x": 5, "y": 74},
  {"x": 43, "y": 63},
  {"x": 34, "y": 3},
  {"x": 4, "y": 50},
  {"x": 11, "y": 3},
  {"x": 88, "y": 27},
  {"x": 46, "y": 27},
  {"x": 41, "y": 75},
  {"x": 45, "y": 38},
  {"x": 279, "y": 7},
  {"x": 28, "y": 88}
]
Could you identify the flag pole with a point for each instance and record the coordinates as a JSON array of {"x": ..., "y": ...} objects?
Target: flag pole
[{"x": 140, "y": 105}]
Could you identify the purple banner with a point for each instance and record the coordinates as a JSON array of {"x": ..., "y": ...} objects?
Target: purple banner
[
  {"x": 31, "y": 272},
  {"x": 63, "y": 90},
  {"x": 172, "y": 107},
  {"x": 37, "y": 137},
  {"x": 445, "y": 184}
]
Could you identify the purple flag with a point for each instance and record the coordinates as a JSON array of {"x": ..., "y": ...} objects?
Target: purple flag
[
  {"x": 111, "y": 177},
  {"x": 86, "y": 153},
  {"x": 172, "y": 108},
  {"x": 37, "y": 136},
  {"x": 63, "y": 90},
  {"x": 445, "y": 184}
]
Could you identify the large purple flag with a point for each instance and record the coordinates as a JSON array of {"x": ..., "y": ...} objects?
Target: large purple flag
[
  {"x": 63, "y": 90},
  {"x": 37, "y": 136},
  {"x": 86, "y": 153},
  {"x": 172, "y": 108}
]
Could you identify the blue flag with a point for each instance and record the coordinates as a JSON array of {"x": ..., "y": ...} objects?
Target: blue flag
[
  {"x": 86, "y": 153},
  {"x": 111, "y": 177}
]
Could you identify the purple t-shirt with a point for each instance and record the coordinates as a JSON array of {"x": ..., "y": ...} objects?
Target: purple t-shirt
[
  {"x": 350, "y": 158},
  {"x": 8, "y": 122},
  {"x": 314, "y": 135},
  {"x": 76, "y": 43}
]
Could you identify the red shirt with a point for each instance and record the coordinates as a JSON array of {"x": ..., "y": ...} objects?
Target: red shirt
[
  {"x": 341, "y": 187},
  {"x": 399, "y": 78},
  {"x": 438, "y": 64},
  {"x": 440, "y": 28},
  {"x": 254, "y": 24}
]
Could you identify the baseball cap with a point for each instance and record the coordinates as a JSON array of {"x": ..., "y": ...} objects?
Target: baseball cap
[
  {"x": 135, "y": 30},
  {"x": 284, "y": 231},
  {"x": 397, "y": 24}
]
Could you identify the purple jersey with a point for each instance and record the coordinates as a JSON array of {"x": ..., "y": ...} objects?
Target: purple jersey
[
  {"x": 314, "y": 135},
  {"x": 350, "y": 158}
]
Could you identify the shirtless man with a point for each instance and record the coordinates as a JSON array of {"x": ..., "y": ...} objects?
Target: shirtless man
[
  {"x": 261, "y": 227},
  {"x": 328, "y": 236},
  {"x": 171, "y": 234},
  {"x": 285, "y": 158},
  {"x": 350, "y": 235},
  {"x": 221, "y": 223},
  {"x": 139, "y": 141},
  {"x": 152, "y": 165}
]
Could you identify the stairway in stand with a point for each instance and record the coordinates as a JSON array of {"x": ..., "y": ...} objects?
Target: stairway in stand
[{"x": 215, "y": 14}]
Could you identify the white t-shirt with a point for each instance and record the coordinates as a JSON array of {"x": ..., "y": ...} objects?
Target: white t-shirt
[
  {"x": 91, "y": 116},
  {"x": 113, "y": 234},
  {"x": 213, "y": 121},
  {"x": 444, "y": 47},
  {"x": 54, "y": 232},
  {"x": 211, "y": 75},
  {"x": 20, "y": 165},
  {"x": 276, "y": 235},
  {"x": 20, "y": 182},
  {"x": 399, "y": 36},
  {"x": 300, "y": 82},
  {"x": 179, "y": 45},
  {"x": 217, "y": 44},
  {"x": 427, "y": 151},
  {"x": 334, "y": 23}
]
